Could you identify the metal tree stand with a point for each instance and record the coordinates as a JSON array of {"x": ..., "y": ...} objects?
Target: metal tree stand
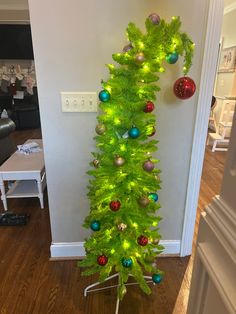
[{"x": 88, "y": 288}]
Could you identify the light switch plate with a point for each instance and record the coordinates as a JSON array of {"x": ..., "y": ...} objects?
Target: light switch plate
[{"x": 79, "y": 101}]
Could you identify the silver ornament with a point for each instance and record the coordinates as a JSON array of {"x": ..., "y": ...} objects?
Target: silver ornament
[{"x": 140, "y": 58}]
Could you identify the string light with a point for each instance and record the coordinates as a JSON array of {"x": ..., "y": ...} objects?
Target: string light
[
  {"x": 140, "y": 44},
  {"x": 117, "y": 121},
  {"x": 146, "y": 67},
  {"x": 126, "y": 245},
  {"x": 123, "y": 147}
]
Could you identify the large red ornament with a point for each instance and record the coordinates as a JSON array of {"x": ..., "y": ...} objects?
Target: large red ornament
[
  {"x": 142, "y": 240},
  {"x": 184, "y": 87},
  {"x": 102, "y": 260},
  {"x": 115, "y": 205},
  {"x": 149, "y": 107}
]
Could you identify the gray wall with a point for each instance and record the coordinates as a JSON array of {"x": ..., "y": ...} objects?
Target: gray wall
[{"x": 72, "y": 42}]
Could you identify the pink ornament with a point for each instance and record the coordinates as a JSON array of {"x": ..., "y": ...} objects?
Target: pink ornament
[
  {"x": 155, "y": 18},
  {"x": 148, "y": 166}
]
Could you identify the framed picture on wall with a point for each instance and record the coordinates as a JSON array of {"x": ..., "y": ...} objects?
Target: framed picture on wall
[{"x": 227, "y": 60}]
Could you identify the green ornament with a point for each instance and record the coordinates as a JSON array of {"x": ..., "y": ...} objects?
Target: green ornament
[
  {"x": 172, "y": 58},
  {"x": 157, "y": 278},
  {"x": 95, "y": 225}
]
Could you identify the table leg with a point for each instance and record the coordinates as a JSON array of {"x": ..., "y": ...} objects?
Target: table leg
[
  {"x": 3, "y": 196},
  {"x": 40, "y": 189}
]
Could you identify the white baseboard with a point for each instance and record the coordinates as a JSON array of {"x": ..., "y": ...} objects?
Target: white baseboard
[{"x": 76, "y": 249}]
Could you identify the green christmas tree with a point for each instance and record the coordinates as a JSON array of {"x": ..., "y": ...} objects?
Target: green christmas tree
[{"x": 125, "y": 181}]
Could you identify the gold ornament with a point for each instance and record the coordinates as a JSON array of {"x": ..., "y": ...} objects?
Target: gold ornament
[
  {"x": 144, "y": 201},
  {"x": 140, "y": 58},
  {"x": 96, "y": 163},
  {"x": 156, "y": 241},
  {"x": 122, "y": 226},
  {"x": 100, "y": 129},
  {"x": 157, "y": 178},
  {"x": 119, "y": 161}
]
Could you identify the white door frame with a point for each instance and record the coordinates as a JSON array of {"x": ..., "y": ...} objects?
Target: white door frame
[{"x": 212, "y": 40}]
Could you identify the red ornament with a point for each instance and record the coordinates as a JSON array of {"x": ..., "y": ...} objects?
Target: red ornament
[
  {"x": 115, "y": 205},
  {"x": 102, "y": 260},
  {"x": 184, "y": 87},
  {"x": 142, "y": 240},
  {"x": 149, "y": 107}
]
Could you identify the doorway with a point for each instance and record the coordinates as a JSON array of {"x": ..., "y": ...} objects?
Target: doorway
[{"x": 199, "y": 146}]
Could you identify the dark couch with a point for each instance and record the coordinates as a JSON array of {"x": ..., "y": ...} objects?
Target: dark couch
[
  {"x": 24, "y": 112},
  {"x": 7, "y": 146}
]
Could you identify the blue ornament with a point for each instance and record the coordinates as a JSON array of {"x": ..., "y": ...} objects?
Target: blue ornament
[
  {"x": 134, "y": 132},
  {"x": 95, "y": 225},
  {"x": 104, "y": 95},
  {"x": 127, "y": 262},
  {"x": 172, "y": 57},
  {"x": 157, "y": 278},
  {"x": 153, "y": 196}
]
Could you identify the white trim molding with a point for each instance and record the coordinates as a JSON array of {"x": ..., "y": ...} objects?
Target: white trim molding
[
  {"x": 72, "y": 250},
  {"x": 222, "y": 220},
  {"x": 67, "y": 250},
  {"x": 214, "y": 23},
  {"x": 215, "y": 259}
]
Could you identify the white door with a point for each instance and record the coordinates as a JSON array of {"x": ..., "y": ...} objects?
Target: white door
[{"x": 213, "y": 287}]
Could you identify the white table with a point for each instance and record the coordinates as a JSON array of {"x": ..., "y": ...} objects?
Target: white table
[{"x": 28, "y": 172}]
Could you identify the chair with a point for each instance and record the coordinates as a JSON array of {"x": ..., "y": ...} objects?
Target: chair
[{"x": 222, "y": 134}]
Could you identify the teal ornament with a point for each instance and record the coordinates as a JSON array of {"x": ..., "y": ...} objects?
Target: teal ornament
[
  {"x": 95, "y": 225},
  {"x": 104, "y": 95},
  {"x": 153, "y": 196},
  {"x": 127, "y": 262},
  {"x": 157, "y": 278},
  {"x": 172, "y": 57},
  {"x": 134, "y": 132}
]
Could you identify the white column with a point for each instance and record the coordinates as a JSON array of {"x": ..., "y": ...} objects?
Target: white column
[{"x": 215, "y": 258}]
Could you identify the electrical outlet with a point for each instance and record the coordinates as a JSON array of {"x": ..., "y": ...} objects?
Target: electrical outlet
[{"x": 79, "y": 101}]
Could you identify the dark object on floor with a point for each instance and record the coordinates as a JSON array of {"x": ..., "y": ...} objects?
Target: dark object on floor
[{"x": 11, "y": 219}]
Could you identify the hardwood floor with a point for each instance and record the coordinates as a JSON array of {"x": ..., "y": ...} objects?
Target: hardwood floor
[{"x": 31, "y": 284}]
